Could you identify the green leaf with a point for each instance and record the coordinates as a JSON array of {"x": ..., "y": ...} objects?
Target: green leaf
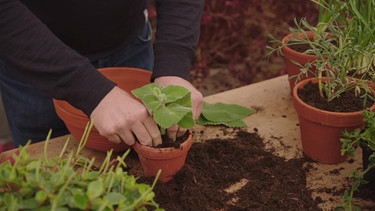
[
  {"x": 151, "y": 103},
  {"x": 220, "y": 112},
  {"x": 95, "y": 189},
  {"x": 187, "y": 121},
  {"x": 114, "y": 198},
  {"x": 41, "y": 196},
  {"x": 167, "y": 116},
  {"x": 174, "y": 92},
  {"x": 145, "y": 90},
  {"x": 185, "y": 101},
  {"x": 236, "y": 123},
  {"x": 80, "y": 201}
]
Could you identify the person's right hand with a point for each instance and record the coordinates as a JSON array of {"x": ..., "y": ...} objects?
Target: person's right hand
[{"x": 120, "y": 117}]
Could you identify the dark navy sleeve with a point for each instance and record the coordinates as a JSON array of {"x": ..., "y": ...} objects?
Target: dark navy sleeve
[
  {"x": 177, "y": 35},
  {"x": 44, "y": 61}
]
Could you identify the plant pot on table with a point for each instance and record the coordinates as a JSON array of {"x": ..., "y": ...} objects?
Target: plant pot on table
[
  {"x": 321, "y": 130},
  {"x": 75, "y": 120},
  {"x": 170, "y": 159},
  {"x": 295, "y": 60}
]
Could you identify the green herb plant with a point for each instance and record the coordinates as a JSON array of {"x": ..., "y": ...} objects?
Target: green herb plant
[
  {"x": 360, "y": 137},
  {"x": 70, "y": 182},
  {"x": 172, "y": 105},
  {"x": 344, "y": 46}
]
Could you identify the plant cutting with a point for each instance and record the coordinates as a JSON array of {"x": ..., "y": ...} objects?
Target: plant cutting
[
  {"x": 71, "y": 182},
  {"x": 172, "y": 105},
  {"x": 365, "y": 139}
]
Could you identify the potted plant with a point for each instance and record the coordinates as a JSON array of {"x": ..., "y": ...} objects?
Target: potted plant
[
  {"x": 296, "y": 49},
  {"x": 172, "y": 105},
  {"x": 345, "y": 71},
  {"x": 70, "y": 182},
  {"x": 339, "y": 24},
  {"x": 365, "y": 139}
]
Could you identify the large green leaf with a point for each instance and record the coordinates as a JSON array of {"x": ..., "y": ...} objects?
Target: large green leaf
[
  {"x": 151, "y": 103},
  {"x": 236, "y": 123},
  {"x": 187, "y": 121},
  {"x": 220, "y": 112},
  {"x": 146, "y": 90},
  {"x": 174, "y": 93},
  {"x": 172, "y": 114}
]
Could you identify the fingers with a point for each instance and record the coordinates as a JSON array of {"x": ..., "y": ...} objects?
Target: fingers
[
  {"x": 147, "y": 133},
  {"x": 153, "y": 131},
  {"x": 128, "y": 138},
  {"x": 174, "y": 131}
]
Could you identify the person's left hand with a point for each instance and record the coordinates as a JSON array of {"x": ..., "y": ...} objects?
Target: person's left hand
[{"x": 196, "y": 99}]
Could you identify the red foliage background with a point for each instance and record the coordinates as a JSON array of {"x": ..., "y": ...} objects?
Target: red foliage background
[{"x": 234, "y": 36}]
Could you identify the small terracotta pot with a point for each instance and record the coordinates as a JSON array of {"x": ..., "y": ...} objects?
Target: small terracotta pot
[
  {"x": 76, "y": 121},
  {"x": 321, "y": 130},
  {"x": 170, "y": 160},
  {"x": 292, "y": 58}
]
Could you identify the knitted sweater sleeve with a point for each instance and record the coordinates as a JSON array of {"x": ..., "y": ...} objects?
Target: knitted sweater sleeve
[
  {"x": 178, "y": 25},
  {"x": 45, "y": 62}
]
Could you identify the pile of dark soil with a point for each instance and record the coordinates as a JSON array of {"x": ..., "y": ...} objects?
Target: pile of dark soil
[{"x": 236, "y": 174}]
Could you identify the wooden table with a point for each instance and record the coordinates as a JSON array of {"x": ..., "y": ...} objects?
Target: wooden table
[{"x": 275, "y": 120}]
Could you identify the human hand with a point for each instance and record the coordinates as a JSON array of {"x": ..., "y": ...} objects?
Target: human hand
[
  {"x": 196, "y": 98},
  {"x": 120, "y": 117}
]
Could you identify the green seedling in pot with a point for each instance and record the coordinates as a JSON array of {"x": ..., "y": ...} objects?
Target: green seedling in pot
[{"x": 172, "y": 105}]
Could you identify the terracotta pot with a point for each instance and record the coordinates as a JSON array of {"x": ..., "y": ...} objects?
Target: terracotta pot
[
  {"x": 76, "y": 121},
  {"x": 292, "y": 58},
  {"x": 170, "y": 160},
  {"x": 321, "y": 130}
]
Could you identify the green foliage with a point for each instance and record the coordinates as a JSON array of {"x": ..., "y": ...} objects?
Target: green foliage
[
  {"x": 230, "y": 115},
  {"x": 69, "y": 182},
  {"x": 172, "y": 105},
  {"x": 350, "y": 142},
  {"x": 344, "y": 45},
  {"x": 167, "y": 105}
]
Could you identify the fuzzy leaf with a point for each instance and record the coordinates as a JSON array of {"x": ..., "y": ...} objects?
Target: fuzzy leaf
[
  {"x": 185, "y": 101},
  {"x": 174, "y": 93},
  {"x": 172, "y": 114},
  {"x": 220, "y": 112},
  {"x": 237, "y": 123},
  {"x": 151, "y": 103},
  {"x": 187, "y": 121},
  {"x": 146, "y": 90}
]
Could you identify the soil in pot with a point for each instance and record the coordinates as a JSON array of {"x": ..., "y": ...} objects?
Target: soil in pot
[{"x": 347, "y": 102}]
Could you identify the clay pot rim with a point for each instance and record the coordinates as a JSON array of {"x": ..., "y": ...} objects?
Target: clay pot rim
[
  {"x": 68, "y": 108},
  {"x": 314, "y": 80},
  {"x": 163, "y": 153},
  {"x": 288, "y": 50}
]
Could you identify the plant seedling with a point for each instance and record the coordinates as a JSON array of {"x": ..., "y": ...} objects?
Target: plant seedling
[
  {"x": 70, "y": 182},
  {"x": 172, "y": 105}
]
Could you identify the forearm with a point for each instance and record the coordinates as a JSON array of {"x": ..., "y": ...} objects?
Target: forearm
[{"x": 45, "y": 62}]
